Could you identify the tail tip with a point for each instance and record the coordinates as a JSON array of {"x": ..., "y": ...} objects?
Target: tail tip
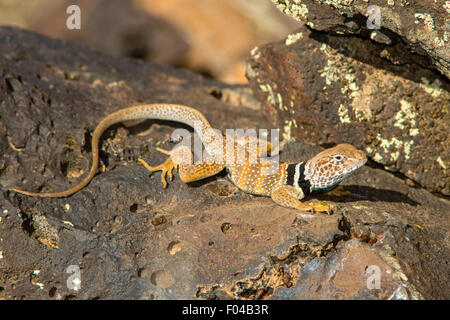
[{"x": 23, "y": 192}]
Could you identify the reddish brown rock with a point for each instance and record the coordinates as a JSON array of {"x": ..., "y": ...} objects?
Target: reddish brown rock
[
  {"x": 133, "y": 239},
  {"x": 355, "y": 270},
  {"x": 208, "y": 37},
  {"x": 421, "y": 25},
  {"x": 331, "y": 89}
]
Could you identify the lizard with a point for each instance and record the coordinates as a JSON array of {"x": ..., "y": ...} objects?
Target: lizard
[{"x": 286, "y": 183}]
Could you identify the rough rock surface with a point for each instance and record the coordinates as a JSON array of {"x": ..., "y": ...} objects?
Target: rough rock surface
[
  {"x": 328, "y": 89},
  {"x": 422, "y": 25},
  {"x": 133, "y": 239},
  {"x": 208, "y": 37}
]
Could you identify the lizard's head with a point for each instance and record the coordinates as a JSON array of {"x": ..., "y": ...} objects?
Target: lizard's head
[{"x": 328, "y": 168}]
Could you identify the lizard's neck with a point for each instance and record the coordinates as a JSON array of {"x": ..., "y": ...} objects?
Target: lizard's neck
[
  {"x": 311, "y": 179},
  {"x": 316, "y": 178},
  {"x": 296, "y": 176}
]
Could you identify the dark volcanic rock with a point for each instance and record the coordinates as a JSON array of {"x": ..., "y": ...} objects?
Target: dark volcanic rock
[
  {"x": 131, "y": 238},
  {"x": 329, "y": 89},
  {"x": 423, "y": 26}
]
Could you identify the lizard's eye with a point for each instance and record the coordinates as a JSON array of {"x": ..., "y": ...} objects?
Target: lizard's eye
[{"x": 338, "y": 157}]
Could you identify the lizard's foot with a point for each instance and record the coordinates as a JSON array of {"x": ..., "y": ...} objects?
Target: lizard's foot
[
  {"x": 166, "y": 168},
  {"x": 320, "y": 207}
]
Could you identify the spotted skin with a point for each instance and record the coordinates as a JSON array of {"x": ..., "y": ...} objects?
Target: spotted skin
[{"x": 285, "y": 183}]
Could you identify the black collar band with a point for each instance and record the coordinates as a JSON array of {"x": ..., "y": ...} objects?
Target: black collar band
[
  {"x": 290, "y": 174},
  {"x": 304, "y": 184}
]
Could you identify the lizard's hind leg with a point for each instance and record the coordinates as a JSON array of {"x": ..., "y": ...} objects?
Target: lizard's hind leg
[
  {"x": 181, "y": 158},
  {"x": 198, "y": 171}
]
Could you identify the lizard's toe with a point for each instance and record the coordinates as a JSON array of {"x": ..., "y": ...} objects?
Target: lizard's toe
[{"x": 166, "y": 168}]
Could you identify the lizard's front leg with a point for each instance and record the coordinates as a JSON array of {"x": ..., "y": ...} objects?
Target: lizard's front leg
[
  {"x": 166, "y": 167},
  {"x": 289, "y": 196}
]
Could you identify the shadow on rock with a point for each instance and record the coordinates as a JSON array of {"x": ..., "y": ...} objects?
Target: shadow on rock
[{"x": 353, "y": 193}]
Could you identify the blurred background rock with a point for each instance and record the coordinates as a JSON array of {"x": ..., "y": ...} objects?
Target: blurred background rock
[{"x": 205, "y": 36}]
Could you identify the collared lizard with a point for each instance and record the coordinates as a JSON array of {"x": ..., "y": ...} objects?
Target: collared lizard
[{"x": 285, "y": 183}]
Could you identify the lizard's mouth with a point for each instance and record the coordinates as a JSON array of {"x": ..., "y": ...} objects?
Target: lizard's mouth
[
  {"x": 360, "y": 163},
  {"x": 352, "y": 169},
  {"x": 357, "y": 165}
]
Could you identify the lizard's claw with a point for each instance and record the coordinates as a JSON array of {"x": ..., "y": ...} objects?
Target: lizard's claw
[{"x": 166, "y": 168}]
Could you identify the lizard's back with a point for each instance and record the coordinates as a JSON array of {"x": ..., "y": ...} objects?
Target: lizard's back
[{"x": 251, "y": 171}]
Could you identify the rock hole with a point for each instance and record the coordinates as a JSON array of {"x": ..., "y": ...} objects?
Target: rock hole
[
  {"x": 216, "y": 93},
  {"x": 9, "y": 85},
  {"x": 64, "y": 168},
  {"x": 137, "y": 208},
  {"x": 149, "y": 200},
  {"x": 142, "y": 272},
  {"x": 52, "y": 292},
  {"x": 87, "y": 145},
  {"x": 134, "y": 207},
  {"x": 156, "y": 221},
  {"x": 226, "y": 227},
  {"x": 162, "y": 279},
  {"x": 27, "y": 225},
  {"x": 174, "y": 247}
]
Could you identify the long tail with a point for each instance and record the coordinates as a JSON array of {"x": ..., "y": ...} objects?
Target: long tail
[{"x": 173, "y": 112}]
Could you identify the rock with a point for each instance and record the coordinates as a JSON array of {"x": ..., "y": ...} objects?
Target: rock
[
  {"x": 340, "y": 276},
  {"x": 422, "y": 26},
  {"x": 125, "y": 236},
  {"x": 221, "y": 33},
  {"x": 208, "y": 37},
  {"x": 327, "y": 89},
  {"x": 117, "y": 28}
]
